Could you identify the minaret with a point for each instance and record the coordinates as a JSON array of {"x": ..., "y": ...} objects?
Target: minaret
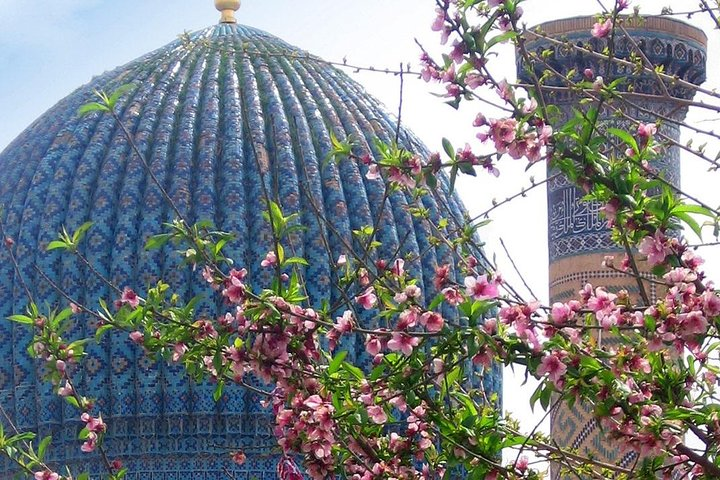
[{"x": 578, "y": 236}]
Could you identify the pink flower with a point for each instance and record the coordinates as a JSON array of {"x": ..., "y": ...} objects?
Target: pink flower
[
  {"x": 234, "y": 286},
  {"x": 75, "y": 308},
  {"x": 367, "y": 299},
  {"x": 403, "y": 342},
  {"x": 480, "y": 288},
  {"x": 270, "y": 260},
  {"x": 129, "y": 298},
  {"x": 655, "y": 248},
  {"x": 432, "y": 321},
  {"x": 561, "y": 313},
  {"x": 694, "y": 323},
  {"x": 60, "y": 366},
  {"x": 377, "y": 414},
  {"x": 553, "y": 367},
  {"x": 373, "y": 172},
  {"x": 46, "y": 475},
  {"x": 238, "y": 457},
  {"x": 601, "y": 30},
  {"x": 646, "y": 130},
  {"x": 90, "y": 443},
  {"x": 178, "y": 351},
  {"x": 65, "y": 391},
  {"x": 522, "y": 463},
  {"x": 93, "y": 424},
  {"x": 137, "y": 337},
  {"x": 598, "y": 84},
  {"x": 452, "y": 296},
  {"x": 439, "y": 22},
  {"x": 288, "y": 470},
  {"x": 398, "y": 267},
  {"x": 373, "y": 345},
  {"x": 342, "y": 261}
]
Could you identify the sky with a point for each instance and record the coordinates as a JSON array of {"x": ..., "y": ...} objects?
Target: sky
[{"x": 47, "y": 49}]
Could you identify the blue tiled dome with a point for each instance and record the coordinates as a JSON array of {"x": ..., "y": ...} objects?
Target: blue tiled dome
[{"x": 216, "y": 114}]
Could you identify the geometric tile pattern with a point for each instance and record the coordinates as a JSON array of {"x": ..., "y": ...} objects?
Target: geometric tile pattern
[
  {"x": 578, "y": 236},
  {"x": 218, "y": 118}
]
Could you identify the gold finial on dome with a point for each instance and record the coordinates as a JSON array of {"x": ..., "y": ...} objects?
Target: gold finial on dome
[{"x": 227, "y": 8}]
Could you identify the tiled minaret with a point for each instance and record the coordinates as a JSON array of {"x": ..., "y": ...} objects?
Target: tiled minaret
[{"x": 578, "y": 236}]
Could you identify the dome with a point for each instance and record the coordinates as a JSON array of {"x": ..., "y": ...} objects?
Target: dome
[{"x": 220, "y": 115}]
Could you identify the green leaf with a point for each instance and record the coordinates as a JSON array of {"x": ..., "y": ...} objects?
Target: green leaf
[
  {"x": 690, "y": 222},
  {"x": 119, "y": 92},
  {"x": 21, "y": 319},
  {"x": 296, "y": 261},
  {"x": 157, "y": 241},
  {"x": 337, "y": 362},
  {"x": 100, "y": 331},
  {"x": 218, "y": 391},
  {"x": 353, "y": 370},
  {"x": 447, "y": 146},
  {"x": 453, "y": 177},
  {"x": 55, "y": 244},
  {"x": 625, "y": 137},
  {"x": 81, "y": 231},
  {"x": 42, "y": 447},
  {"x": 503, "y": 37},
  {"x": 92, "y": 107}
]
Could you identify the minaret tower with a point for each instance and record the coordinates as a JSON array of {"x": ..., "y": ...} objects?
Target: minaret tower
[{"x": 578, "y": 236}]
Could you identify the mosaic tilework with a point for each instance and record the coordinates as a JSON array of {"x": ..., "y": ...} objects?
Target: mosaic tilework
[
  {"x": 578, "y": 236},
  {"x": 219, "y": 120}
]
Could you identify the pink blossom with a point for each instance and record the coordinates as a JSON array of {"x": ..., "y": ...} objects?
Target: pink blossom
[
  {"x": 234, "y": 286},
  {"x": 75, "y": 308},
  {"x": 711, "y": 303},
  {"x": 270, "y": 260},
  {"x": 238, "y": 457},
  {"x": 137, "y": 337},
  {"x": 46, "y": 475},
  {"x": 522, "y": 463},
  {"x": 367, "y": 299},
  {"x": 646, "y": 130},
  {"x": 377, "y": 414},
  {"x": 601, "y": 30},
  {"x": 553, "y": 367},
  {"x": 288, "y": 470},
  {"x": 90, "y": 443},
  {"x": 480, "y": 288},
  {"x": 374, "y": 345},
  {"x": 452, "y": 296},
  {"x": 129, "y": 298},
  {"x": 400, "y": 177},
  {"x": 655, "y": 248},
  {"x": 693, "y": 323},
  {"x": 598, "y": 84},
  {"x": 561, "y": 313},
  {"x": 66, "y": 390},
  {"x": 439, "y": 22},
  {"x": 178, "y": 351},
  {"x": 432, "y": 321},
  {"x": 373, "y": 172},
  {"x": 398, "y": 267},
  {"x": 403, "y": 342}
]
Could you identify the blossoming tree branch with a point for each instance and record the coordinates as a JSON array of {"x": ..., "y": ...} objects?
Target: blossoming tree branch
[{"x": 421, "y": 409}]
